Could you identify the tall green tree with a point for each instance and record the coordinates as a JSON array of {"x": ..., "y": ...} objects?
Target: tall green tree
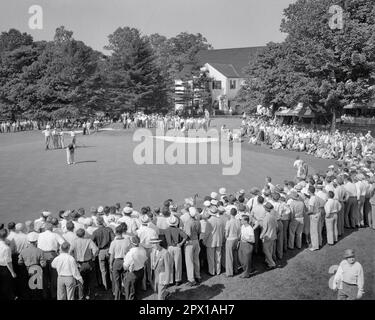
[
  {"x": 318, "y": 65},
  {"x": 133, "y": 79}
]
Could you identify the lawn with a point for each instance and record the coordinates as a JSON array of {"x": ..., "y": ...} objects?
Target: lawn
[{"x": 33, "y": 179}]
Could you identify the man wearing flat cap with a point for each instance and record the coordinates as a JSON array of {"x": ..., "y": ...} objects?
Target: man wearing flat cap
[
  {"x": 349, "y": 278},
  {"x": 32, "y": 256},
  {"x": 269, "y": 236}
]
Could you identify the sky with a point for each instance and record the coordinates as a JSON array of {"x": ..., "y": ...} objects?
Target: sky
[{"x": 225, "y": 24}]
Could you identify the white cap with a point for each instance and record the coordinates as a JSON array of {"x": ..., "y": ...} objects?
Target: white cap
[
  {"x": 223, "y": 191},
  {"x": 207, "y": 203},
  {"x": 100, "y": 209},
  {"x": 127, "y": 210},
  {"x": 32, "y": 236},
  {"x": 214, "y": 202},
  {"x": 81, "y": 220},
  {"x": 19, "y": 226},
  {"x": 192, "y": 211},
  {"x": 46, "y": 213},
  {"x": 213, "y": 195},
  {"x": 88, "y": 221}
]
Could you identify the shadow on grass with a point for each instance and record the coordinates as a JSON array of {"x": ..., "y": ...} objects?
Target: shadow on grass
[
  {"x": 199, "y": 292},
  {"x": 86, "y": 161},
  {"x": 83, "y": 147}
]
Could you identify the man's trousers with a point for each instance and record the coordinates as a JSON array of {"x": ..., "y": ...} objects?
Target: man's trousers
[
  {"x": 372, "y": 216},
  {"x": 361, "y": 210},
  {"x": 147, "y": 273},
  {"x": 340, "y": 219},
  {"x": 367, "y": 212},
  {"x": 331, "y": 228},
  {"x": 268, "y": 248},
  {"x": 351, "y": 213},
  {"x": 285, "y": 235},
  {"x": 86, "y": 270},
  {"x": 176, "y": 262},
  {"x": 348, "y": 292},
  {"x": 117, "y": 275},
  {"x": 231, "y": 257},
  {"x": 192, "y": 250},
  {"x": 214, "y": 260},
  {"x": 295, "y": 233},
  {"x": 65, "y": 287},
  {"x": 49, "y": 277},
  {"x": 314, "y": 230},
  {"x": 280, "y": 239},
  {"x": 131, "y": 282},
  {"x": 104, "y": 266},
  {"x": 245, "y": 256}
]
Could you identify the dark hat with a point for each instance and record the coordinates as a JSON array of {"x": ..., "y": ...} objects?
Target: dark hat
[
  {"x": 279, "y": 188},
  {"x": 241, "y": 207},
  {"x": 268, "y": 206},
  {"x": 275, "y": 196},
  {"x": 311, "y": 189},
  {"x": 254, "y": 191},
  {"x": 349, "y": 253}
]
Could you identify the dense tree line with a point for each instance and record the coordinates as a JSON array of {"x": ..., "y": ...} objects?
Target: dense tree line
[
  {"x": 317, "y": 65},
  {"x": 66, "y": 78}
]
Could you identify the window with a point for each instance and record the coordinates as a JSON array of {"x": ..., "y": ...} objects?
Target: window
[
  {"x": 216, "y": 85},
  {"x": 232, "y": 84}
]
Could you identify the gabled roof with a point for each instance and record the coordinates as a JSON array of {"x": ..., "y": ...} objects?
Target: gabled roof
[
  {"x": 226, "y": 69},
  {"x": 232, "y": 61}
]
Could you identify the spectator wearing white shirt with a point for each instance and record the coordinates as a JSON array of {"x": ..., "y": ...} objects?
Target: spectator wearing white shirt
[
  {"x": 246, "y": 247},
  {"x": 68, "y": 273},
  {"x": 49, "y": 242},
  {"x": 6, "y": 268},
  {"x": 69, "y": 235},
  {"x": 134, "y": 263},
  {"x": 145, "y": 234},
  {"x": 332, "y": 208},
  {"x": 232, "y": 235}
]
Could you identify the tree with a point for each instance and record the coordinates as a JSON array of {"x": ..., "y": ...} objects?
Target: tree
[
  {"x": 315, "y": 64},
  {"x": 134, "y": 80}
]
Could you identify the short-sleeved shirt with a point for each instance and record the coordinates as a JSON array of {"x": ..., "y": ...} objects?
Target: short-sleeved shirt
[
  {"x": 173, "y": 236},
  {"x": 102, "y": 237},
  {"x": 31, "y": 256},
  {"x": 119, "y": 247},
  {"x": 5, "y": 254}
]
